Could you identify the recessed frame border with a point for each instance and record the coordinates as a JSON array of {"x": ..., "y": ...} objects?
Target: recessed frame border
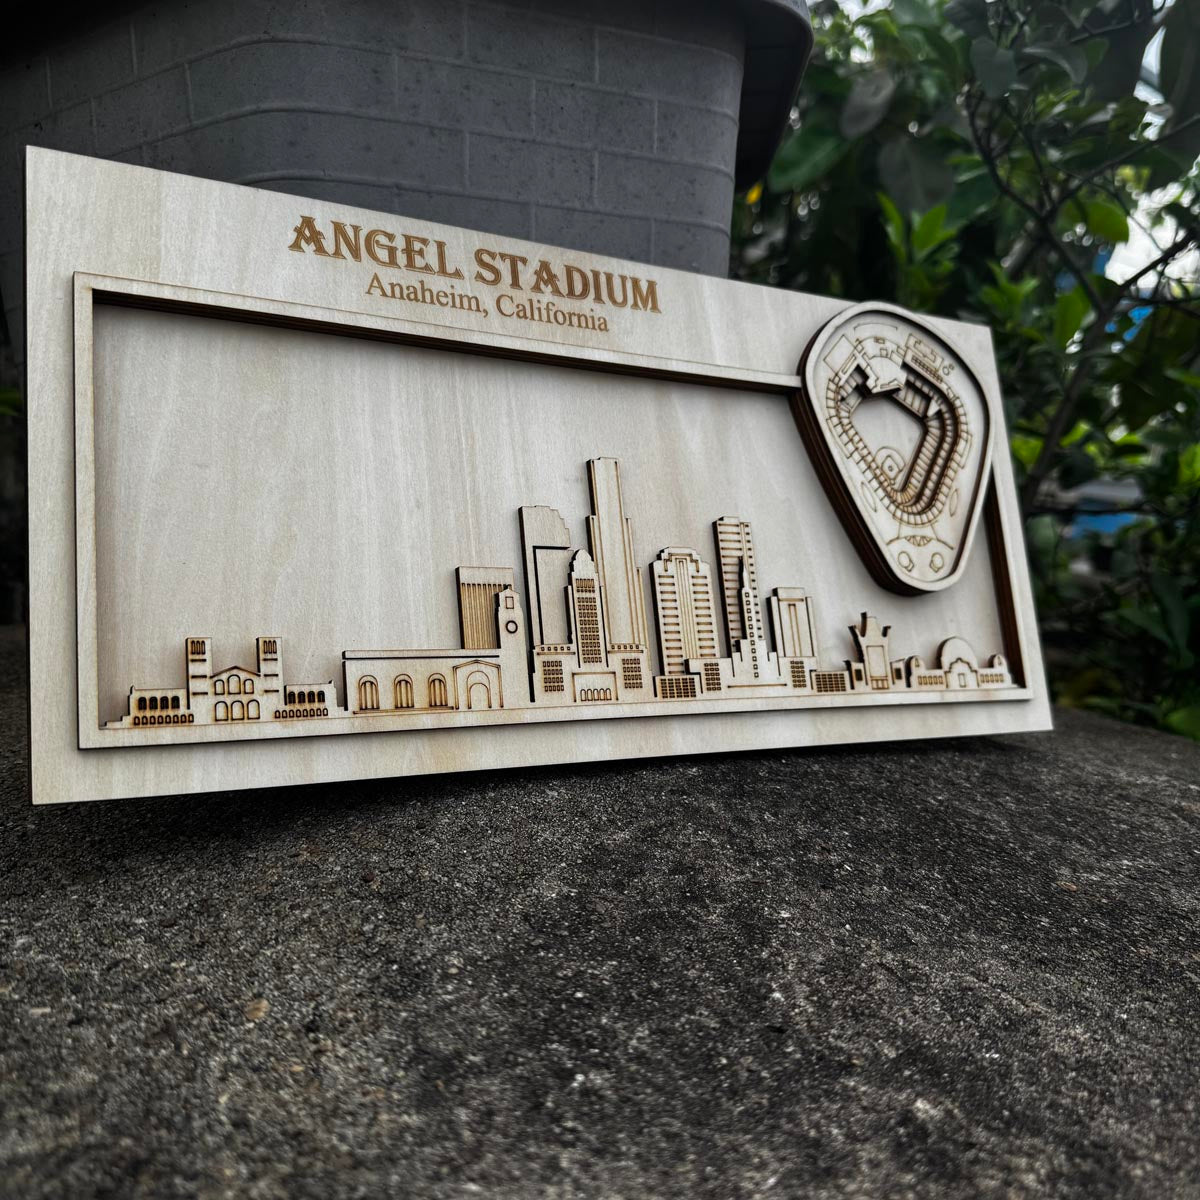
[{"x": 90, "y": 289}]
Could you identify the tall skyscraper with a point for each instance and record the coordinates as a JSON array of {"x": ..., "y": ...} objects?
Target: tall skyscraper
[
  {"x": 610, "y": 536},
  {"x": 587, "y": 611},
  {"x": 546, "y": 543},
  {"x": 683, "y": 600},
  {"x": 735, "y": 547},
  {"x": 478, "y": 588}
]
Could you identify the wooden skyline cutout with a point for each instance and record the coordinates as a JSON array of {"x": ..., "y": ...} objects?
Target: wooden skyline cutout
[
  {"x": 900, "y": 434},
  {"x": 579, "y": 642}
]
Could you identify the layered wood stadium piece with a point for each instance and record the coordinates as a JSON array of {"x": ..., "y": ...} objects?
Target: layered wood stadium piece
[
  {"x": 318, "y": 493},
  {"x": 900, "y": 433}
]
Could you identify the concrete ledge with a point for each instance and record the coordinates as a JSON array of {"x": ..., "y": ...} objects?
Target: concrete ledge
[{"x": 954, "y": 969}]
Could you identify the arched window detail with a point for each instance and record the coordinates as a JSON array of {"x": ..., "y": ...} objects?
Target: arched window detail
[
  {"x": 404, "y": 692},
  {"x": 437, "y": 692},
  {"x": 237, "y": 711},
  {"x": 321, "y": 697},
  {"x": 252, "y": 710},
  {"x": 478, "y": 691},
  {"x": 249, "y": 686},
  {"x": 218, "y": 687},
  {"x": 221, "y": 712},
  {"x": 141, "y": 704},
  {"x": 368, "y": 694},
  {"x": 154, "y": 704},
  {"x": 235, "y": 685},
  {"x": 291, "y": 697},
  {"x": 174, "y": 701}
]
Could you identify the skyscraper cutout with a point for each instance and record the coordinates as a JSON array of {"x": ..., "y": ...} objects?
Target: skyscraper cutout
[
  {"x": 587, "y": 612},
  {"x": 546, "y": 543},
  {"x": 683, "y": 601},
  {"x": 622, "y": 597},
  {"x": 735, "y": 546},
  {"x": 610, "y": 535},
  {"x": 792, "y": 623}
]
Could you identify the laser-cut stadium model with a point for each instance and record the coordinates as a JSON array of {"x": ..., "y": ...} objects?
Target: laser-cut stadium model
[{"x": 899, "y": 431}]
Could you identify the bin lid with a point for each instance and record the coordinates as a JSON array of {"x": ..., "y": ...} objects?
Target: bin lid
[{"x": 779, "y": 39}]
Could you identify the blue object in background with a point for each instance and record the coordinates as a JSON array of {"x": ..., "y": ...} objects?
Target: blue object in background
[{"x": 1099, "y": 523}]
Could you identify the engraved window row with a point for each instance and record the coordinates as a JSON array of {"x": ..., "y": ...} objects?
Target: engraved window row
[
  {"x": 368, "y": 693},
  {"x": 552, "y": 675},
  {"x": 236, "y": 685}
]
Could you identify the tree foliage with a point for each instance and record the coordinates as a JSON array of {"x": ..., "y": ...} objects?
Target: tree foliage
[{"x": 985, "y": 159}]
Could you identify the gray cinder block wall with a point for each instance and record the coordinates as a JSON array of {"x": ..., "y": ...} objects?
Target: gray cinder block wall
[{"x": 617, "y": 126}]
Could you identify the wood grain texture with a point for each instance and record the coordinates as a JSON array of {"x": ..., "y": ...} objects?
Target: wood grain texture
[{"x": 260, "y": 475}]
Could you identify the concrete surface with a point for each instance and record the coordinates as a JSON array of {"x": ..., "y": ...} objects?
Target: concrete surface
[{"x": 956, "y": 969}]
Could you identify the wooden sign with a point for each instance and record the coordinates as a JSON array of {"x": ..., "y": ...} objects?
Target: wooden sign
[{"x": 318, "y": 493}]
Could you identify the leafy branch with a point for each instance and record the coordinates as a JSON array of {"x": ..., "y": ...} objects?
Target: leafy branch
[{"x": 988, "y": 159}]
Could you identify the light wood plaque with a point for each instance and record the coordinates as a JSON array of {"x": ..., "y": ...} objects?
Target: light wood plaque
[{"x": 318, "y": 493}]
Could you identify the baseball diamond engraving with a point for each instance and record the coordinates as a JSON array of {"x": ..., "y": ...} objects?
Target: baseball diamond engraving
[{"x": 900, "y": 432}]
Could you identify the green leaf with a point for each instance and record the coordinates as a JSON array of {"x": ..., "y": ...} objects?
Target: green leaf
[
  {"x": 1147, "y": 622},
  {"x": 1172, "y": 605},
  {"x": 867, "y": 103},
  {"x": 1186, "y": 217},
  {"x": 1070, "y": 309},
  {"x": 995, "y": 68},
  {"x": 971, "y": 16},
  {"x": 1179, "y": 72},
  {"x": 1189, "y": 466},
  {"x": 1185, "y": 721},
  {"x": 915, "y": 175},
  {"x": 1107, "y": 220},
  {"x": 972, "y": 196},
  {"x": 1187, "y": 378},
  {"x": 1042, "y": 534},
  {"x": 808, "y": 155},
  {"x": 1114, "y": 73},
  {"x": 930, "y": 231},
  {"x": 825, "y": 80},
  {"x": 915, "y": 12},
  {"x": 1169, "y": 163},
  {"x": 1067, "y": 57},
  {"x": 1013, "y": 294},
  {"x": 1076, "y": 468},
  {"x": 893, "y": 222},
  {"x": 1025, "y": 449}
]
